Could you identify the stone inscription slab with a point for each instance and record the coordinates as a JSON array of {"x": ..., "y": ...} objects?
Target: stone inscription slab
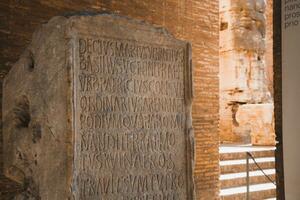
[
  {"x": 101, "y": 110},
  {"x": 131, "y": 119}
]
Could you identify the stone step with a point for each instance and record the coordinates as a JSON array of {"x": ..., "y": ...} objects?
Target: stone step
[
  {"x": 242, "y": 155},
  {"x": 257, "y": 192},
  {"x": 239, "y": 179},
  {"x": 233, "y": 172},
  {"x": 234, "y": 166}
]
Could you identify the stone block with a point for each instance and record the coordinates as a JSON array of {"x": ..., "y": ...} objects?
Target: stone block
[
  {"x": 236, "y": 5},
  {"x": 228, "y": 125},
  {"x": 241, "y": 39},
  {"x": 259, "y": 120},
  {"x": 245, "y": 73},
  {"x": 234, "y": 71},
  {"x": 99, "y": 107}
]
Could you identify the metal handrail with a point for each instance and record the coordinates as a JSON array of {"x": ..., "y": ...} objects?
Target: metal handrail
[
  {"x": 267, "y": 176},
  {"x": 249, "y": 155}
]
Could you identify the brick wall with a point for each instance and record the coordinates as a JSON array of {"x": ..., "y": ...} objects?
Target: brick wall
[
  {"x": 269, "y": 44},
  {"x": 192, "y": 20}
]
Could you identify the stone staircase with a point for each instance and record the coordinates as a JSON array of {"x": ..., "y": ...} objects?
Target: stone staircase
[{"x": 233, "y": 173}]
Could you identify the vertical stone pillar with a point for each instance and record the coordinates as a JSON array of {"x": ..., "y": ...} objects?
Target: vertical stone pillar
[{"x": 246, "y": 108}]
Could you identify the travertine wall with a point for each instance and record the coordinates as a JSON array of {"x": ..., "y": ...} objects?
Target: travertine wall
[
  {"x": 191, "y": 20},
  {"x": 245, "y": 101}
]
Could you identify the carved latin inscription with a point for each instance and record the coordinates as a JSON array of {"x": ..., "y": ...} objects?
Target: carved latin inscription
[{"x": 130, "y": 120}]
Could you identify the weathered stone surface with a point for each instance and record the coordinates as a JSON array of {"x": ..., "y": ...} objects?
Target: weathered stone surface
[
  {"x": 37, "y": 129},
  {"x": 258, "y": 120},
  {"x": 103, "y": 110},
  {"x": 243, "y": 25},
  {"x": 188, "y": 20},
  {"x": 244, "y": 74}
]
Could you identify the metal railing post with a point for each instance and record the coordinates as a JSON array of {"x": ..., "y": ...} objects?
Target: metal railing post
[{"x": 247, "y": 177}]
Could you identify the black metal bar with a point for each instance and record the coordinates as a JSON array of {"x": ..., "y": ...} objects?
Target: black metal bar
[{"x": 248, "y": 176}]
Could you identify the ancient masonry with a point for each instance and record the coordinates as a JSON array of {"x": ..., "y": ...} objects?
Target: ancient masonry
[
  {"x": 103, "y": 110},
  {"x": 191, "y": 20},
  {"x": 246, "y": 103}
]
